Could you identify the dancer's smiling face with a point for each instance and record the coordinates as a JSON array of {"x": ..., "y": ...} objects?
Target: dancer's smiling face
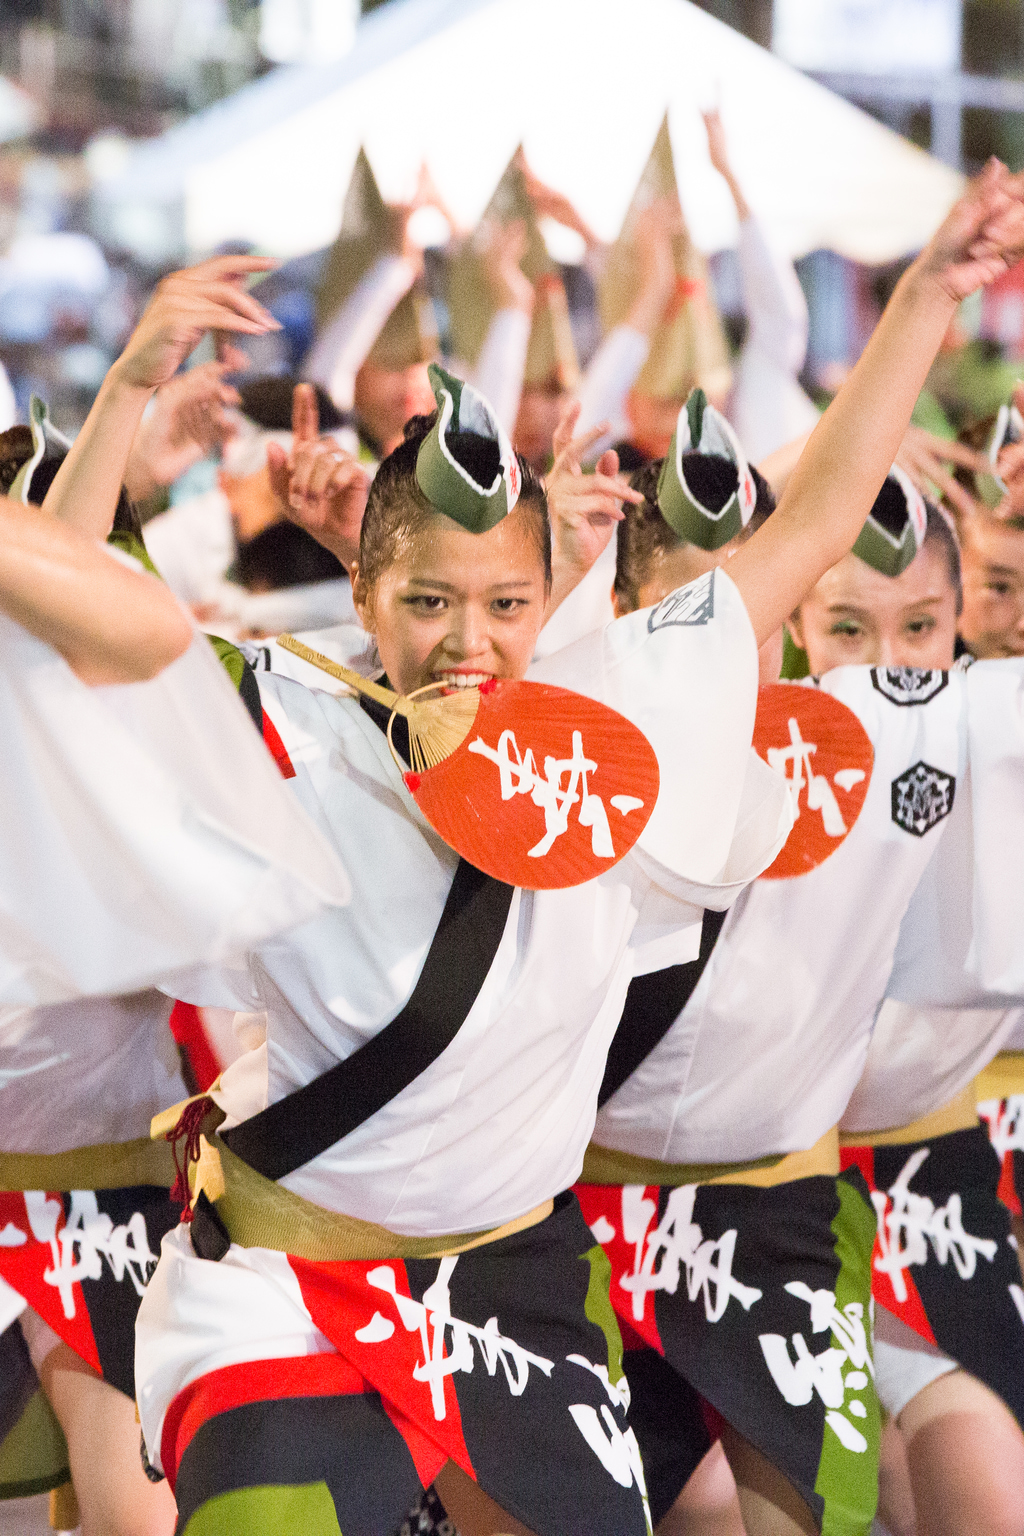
[{"x": 456, "y": 607}]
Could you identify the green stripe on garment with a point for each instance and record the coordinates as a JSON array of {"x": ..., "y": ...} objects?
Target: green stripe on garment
[
  {"x": 34, "y": 1456},
  {"x": 272, "y": 1510},
  {"x": 599, "y": 1310},
  {"x": 848, "y": 1479},
  {"x": 130, "y": 544},
  {"x": 230, "y": 658}
]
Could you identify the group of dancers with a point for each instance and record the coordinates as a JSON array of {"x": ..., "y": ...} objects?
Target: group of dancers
[{"x": 646, "y": 1194}]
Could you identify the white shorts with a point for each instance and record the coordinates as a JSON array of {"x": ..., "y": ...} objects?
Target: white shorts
[{"x": 905, "y": 1363}]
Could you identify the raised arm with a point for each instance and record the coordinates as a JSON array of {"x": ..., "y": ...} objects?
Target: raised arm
[
  {"x": 841, "y": 470},
  {"x": 718, "y": 151},
  {"x": 110, "y": 623},
  {"x": 186, "y": 305},
  {"x": 501, "y": 362},
  {"x": 615, "y": 366}
]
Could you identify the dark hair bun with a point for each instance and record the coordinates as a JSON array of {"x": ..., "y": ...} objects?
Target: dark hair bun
[
  {"x": 267, "y": 400},
  {"x": 418, "y": 427}
]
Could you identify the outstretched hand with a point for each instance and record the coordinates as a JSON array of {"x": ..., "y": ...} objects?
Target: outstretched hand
[
  {"x": 185, "y": 305},
  {"x": 400, "y": 216},
  {"x": 981, "y": 237},
  {"x": 191, "y": 418},
  {"x": 718, "y": 152},
  {"x": 927, "y": 459},
  {"x": 504, "y": 246},
  {"x": 718, "y": 148},
  {"x": 319, "y": 486},
  {"x": 547, "y": 203},
  {"x": 583, "y": 508}
]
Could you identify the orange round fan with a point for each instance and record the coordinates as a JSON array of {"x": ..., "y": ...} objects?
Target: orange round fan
[
  {"x": 826, "y": 757},
  {"x": 535, "y": 785}
]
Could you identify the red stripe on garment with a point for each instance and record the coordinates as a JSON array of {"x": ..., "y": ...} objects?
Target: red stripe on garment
[
  {"x": 428, "y": 1457},
  {"x": 24, "y": 1263},
  {"x": 276, "y": 747},
  {"x": 911, "y": 1310},
  {"x": 602, "y": 1208},
  {"x": 862, "y": 1158},
  {"x": 358, "y": 1297},
  {"x": 189, "y": 1032},
  {"x": 253, "y": 1381},
  {"x": 1007, "y": 1189}
]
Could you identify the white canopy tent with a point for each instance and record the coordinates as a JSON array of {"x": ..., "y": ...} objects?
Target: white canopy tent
[{"x": 583, "y": 84}]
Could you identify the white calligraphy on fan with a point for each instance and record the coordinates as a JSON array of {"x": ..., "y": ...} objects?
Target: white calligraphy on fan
[
  {"x": 819, "y": 791},
  {"x": 519, "y": 776}
]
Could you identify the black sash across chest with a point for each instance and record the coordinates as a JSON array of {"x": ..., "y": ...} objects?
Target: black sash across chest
[
  {"x": 305, "y": 1123},
  {"x": 653, "y": 1003}
]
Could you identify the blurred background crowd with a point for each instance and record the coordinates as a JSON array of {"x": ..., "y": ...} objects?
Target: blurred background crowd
[
  {"x": 741, "y": 199},
  {"x": 87, "y": 225}
]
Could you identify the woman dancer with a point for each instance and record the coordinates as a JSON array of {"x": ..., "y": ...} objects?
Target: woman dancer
[{"x": 453, "y": 606}]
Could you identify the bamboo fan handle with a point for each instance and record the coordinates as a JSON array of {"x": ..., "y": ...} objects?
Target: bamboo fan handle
[{"x": 385, "y": 696}]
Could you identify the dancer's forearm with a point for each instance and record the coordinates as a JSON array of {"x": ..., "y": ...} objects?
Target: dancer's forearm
[{"x": 111, "y": 624}]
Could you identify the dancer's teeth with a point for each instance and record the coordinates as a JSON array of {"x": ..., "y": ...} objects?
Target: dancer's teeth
[{"x": 463, "y": 679}]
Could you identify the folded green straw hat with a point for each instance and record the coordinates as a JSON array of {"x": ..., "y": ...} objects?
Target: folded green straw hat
[
  {"x": 896, "y": 525},
  {"x": 701, "y": 429},
  {"x": 450, "y": 487},
  {"x": 1009, "y": 428},
  {"x": 47, "y": 444}
]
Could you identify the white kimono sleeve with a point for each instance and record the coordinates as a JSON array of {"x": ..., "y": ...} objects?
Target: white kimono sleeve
[
  {"x": 343, "y": 346},
  {"x": 146, "y": 828},
  {"x": 961, "y": 943},
  {"x": 685, "y": 673},
  {"x": 767, "y": 406},
  {"x": 285, "y": 609},
  {"x": 501, "y": 363},
  {"x": 611, "y": 374}
]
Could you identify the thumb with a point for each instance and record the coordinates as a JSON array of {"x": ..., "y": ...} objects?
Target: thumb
[
  {"x": 562, "y": 436},
  {"x": 277, "y": 470},
  {"x": 608, "y": 463},
  {"x": 230, "y": 357}
]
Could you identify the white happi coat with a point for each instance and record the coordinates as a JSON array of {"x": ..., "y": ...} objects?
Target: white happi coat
[
  {"x": 501, "y": 1120},
  {"x": 145, "y": 829},
  {"x": 765, "y": 1055},
  {"x": 961, "y": 945}
]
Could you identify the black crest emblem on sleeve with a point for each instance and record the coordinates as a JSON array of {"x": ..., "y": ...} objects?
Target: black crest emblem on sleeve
[
  {"x": 921, "y": 798},
  {"x": 908, "y": 685},
  {"x": 692, "y": 604}
]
